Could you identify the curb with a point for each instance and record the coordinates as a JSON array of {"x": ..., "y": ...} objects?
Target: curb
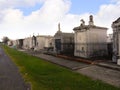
[
  {"x": 114, "y": 67},
  {"x": 78, "y": 59}
]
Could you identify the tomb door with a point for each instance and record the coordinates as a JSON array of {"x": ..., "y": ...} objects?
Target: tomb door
[{"x": 58, "y": 44}]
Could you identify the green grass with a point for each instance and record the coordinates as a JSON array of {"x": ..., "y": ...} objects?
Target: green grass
[{"x": 46, "y": 76}]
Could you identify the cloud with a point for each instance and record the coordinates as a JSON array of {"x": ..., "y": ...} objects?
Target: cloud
[
  {"x": 107, "y": 14},
  {"x": 44, "y": 21},
  {"x": 52, "y": 10},
  {"x": 18, "y": 3}
]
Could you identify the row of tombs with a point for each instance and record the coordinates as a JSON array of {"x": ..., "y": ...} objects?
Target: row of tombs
[{"x": 87, "y": 41}]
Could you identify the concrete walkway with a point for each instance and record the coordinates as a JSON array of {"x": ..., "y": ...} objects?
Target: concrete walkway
[
  {"x": 100, "y": 71},
  {"x": 63, "y": 62},
  {"x": 10, "y": 78}
]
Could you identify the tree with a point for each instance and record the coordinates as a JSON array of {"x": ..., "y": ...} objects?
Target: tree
[{"x": 5, "y": 39}]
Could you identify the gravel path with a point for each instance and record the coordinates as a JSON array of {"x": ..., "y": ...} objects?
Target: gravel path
[{"x": 10, "y": 78}]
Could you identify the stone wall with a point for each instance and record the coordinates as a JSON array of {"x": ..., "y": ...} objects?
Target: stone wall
[{"x": 44, "y": 42}]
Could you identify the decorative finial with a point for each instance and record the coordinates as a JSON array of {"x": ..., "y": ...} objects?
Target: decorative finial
[
  {"x": 91, "y": 22},
  {"x": 82, "y": 22},
  {"x": 58, "y": 26}
]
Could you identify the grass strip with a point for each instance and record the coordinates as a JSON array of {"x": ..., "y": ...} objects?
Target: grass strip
[{"x": 47, "y": 76}]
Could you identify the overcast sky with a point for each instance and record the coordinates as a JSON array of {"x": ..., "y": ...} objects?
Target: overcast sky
[{"x": 22, "y": 18}]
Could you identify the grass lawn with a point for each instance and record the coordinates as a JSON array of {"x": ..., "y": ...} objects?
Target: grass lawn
[{"x": 47, "y": 76}]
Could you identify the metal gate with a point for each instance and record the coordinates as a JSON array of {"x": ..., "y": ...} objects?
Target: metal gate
[{"x": 58, "y": 44}]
